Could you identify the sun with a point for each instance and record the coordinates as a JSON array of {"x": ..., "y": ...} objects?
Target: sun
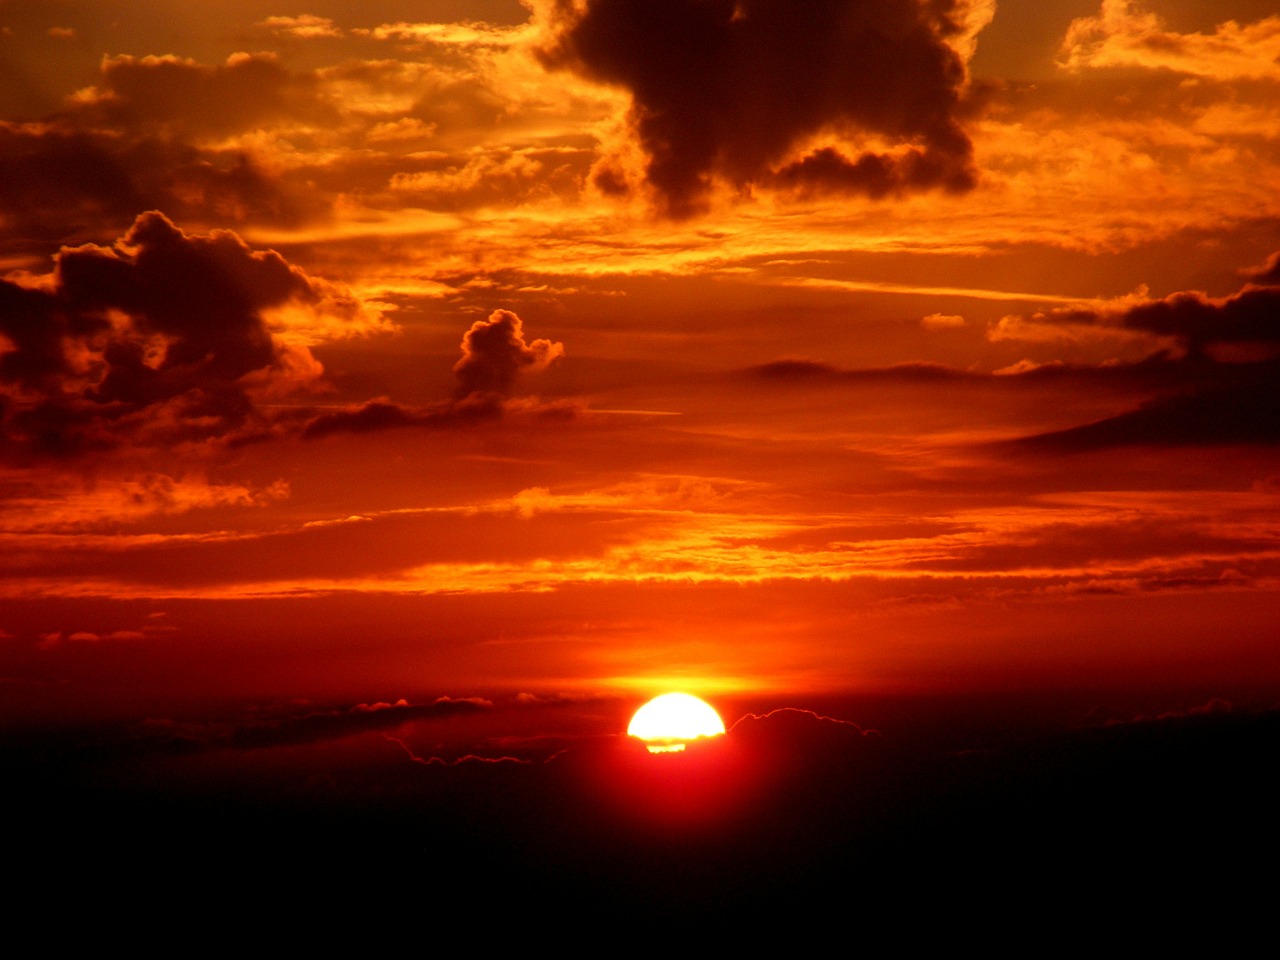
[{"x": 668, "y": 722}]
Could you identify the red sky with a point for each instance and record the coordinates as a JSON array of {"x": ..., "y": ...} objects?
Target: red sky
[{"x": 410, "y": 349}]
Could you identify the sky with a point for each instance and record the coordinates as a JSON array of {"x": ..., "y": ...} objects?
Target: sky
[{"x": 365, "y": 360}]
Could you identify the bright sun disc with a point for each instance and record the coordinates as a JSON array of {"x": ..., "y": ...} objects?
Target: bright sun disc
[{"x": 668, "y": 722}]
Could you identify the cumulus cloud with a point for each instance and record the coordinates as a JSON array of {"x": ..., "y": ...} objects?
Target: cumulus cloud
[
  {"x": 866, "y": 98},
  {"x": 163, "y": 337},
  {"x": 494, "y": 353}
]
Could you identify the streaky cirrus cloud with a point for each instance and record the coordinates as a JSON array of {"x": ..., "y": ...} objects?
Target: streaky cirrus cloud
[
  {"x": 161, "y": 338},
  {"x": 866, "y": 98},
  {"x": 306, "y": 26}
]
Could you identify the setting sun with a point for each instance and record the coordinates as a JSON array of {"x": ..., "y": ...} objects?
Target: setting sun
[{"x": 668, "y": 722}]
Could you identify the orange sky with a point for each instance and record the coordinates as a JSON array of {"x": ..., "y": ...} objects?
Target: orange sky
[{"x": 395, "y": 349}]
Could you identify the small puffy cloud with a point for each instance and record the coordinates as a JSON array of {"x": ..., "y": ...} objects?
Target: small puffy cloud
[
  {"x": 942, "y": 321},
  {"x": 494, "y": 353},
  {"x": 1123, "y": 34},
  {"x": 865, "y": 98}
]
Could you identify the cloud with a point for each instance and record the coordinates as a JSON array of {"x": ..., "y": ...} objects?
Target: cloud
[
  {"x": 865, "y": 98},
  {"x": 57, "y": 181},
  {"x": 175, "y": 96},
  {"x": 51, "y": 501},
  {"x": 161, "y": 338},
  {"x": 1194, "y": 320},
  {"x": 497, "y": 178},
  {"x": 811, "y": 371},
  {"x": 1225, "y": 387},
  {"x": 383, "y": 414},
  {"x": 463, "y": 34},
  {"x": 1243, "y": 408},
  {"x": 1268, "y": 274},
  {"x": 494, "y": 353},
  {"x": 1122, "y": 34},
  {"x": 305, "y": 26}
]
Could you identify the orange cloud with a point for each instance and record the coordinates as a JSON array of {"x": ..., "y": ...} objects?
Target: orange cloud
[
  {"x": 494, "y": 353},
  {"x": 1122, "y": 34}
]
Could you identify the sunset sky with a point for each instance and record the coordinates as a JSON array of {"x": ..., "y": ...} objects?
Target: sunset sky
[
  {"x": 395, "y": 395},
  {"x": 351, "y": 352}
]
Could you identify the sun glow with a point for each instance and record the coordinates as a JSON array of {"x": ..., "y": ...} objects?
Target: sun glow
[{"x": 668, "y": 722}]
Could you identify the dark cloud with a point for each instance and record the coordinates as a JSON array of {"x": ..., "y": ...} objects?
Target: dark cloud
[
  {"x": 320, "y": 726},
  {"x": 811, "y": 371},
  {"x": 1242, "y": 407},
  {"x": 160, "y": 338},
  {"x": 151, "y": 134},
  {"x": 1250, "y": 316},
  {"x": 57, "y": 184},
  {"x": 1268, "y": 274},
  {"x": 875, "y": 175},
  {"x": 382, "y": 414},
  {"x": 731, "y": 88},
  {"x": 172, "y": 96},
  {"x": 494, "y": 353},
  {"x": 1225, "y": 392}
]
